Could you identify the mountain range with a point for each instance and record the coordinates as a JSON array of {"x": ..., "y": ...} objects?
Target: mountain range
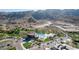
[{"x": 69, "y": 15}]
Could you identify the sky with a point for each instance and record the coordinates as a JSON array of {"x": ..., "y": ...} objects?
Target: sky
[
  {"x": 38, "y": 4},
  {"x": 13, "y": 10}
]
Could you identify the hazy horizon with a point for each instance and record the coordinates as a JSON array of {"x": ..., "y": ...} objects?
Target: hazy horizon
[{"x": 19, "y": 10}]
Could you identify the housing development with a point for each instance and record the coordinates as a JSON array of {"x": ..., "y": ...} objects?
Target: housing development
[{"x": 50, "y": 29}]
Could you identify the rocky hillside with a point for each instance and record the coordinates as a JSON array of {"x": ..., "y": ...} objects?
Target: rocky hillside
[{"x": 68, "y": 15}]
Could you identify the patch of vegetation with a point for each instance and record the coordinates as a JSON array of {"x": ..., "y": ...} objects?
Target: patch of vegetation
[
  {"x": 74, "y": 35},
  {"x": 2, "y": 35},
  {"x": 60, "y": 35},
  {"x": 77, "y": 45},
  {"x": 39, "y": 31},
  {"x": 17, "y": 32},
  {"x": 27, "y": 45},
  {"x": 11, "y": 48},
  {"x": 46, "y": 40},
  {"x": 75, "y": 38}
]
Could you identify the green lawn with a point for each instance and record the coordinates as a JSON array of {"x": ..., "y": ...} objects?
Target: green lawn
[
  {"x": 27, "y": 45},
  {"x": 46, "y": 40}
]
